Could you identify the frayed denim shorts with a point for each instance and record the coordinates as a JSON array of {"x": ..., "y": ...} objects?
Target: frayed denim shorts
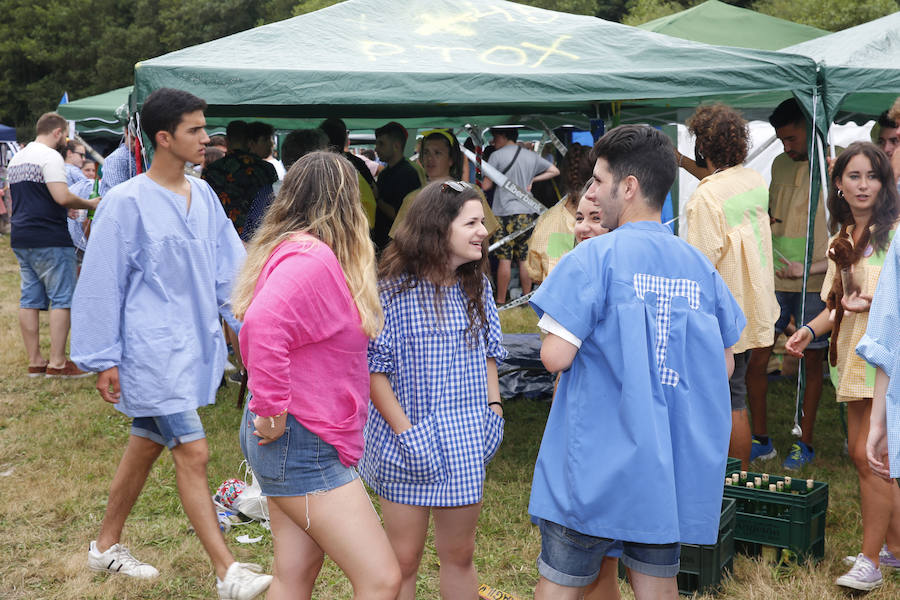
[{"x": 296, "y": 464}]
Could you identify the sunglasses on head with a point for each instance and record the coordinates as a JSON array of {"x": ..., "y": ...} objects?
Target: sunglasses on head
[{"x": 456, "y": 186}]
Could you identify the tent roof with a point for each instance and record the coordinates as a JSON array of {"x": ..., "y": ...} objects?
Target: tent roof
[
  {"x": 421, "y": 58},
  {"x": 715, "y": 22},
  {"x": 860, "y": 67},
  {"x": 104, "y": 113}
]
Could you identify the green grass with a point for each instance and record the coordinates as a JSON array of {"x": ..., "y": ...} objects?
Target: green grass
[{"x": 60, "y": 443}]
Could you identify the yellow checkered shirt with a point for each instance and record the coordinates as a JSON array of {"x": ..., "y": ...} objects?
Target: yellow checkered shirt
[
  {"x": 552, "y": 237},
  {"x": 728, "y": 220},
  {"x": 854, "y": 378}
]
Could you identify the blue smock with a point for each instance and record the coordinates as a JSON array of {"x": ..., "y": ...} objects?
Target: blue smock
[
  {"x": 880, "y": 346},
  {"x": 154, "y": 281},
  {"x": 637, "y": 438}
]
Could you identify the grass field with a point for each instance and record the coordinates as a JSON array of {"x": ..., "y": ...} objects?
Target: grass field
[{"x": 60, "y": 443}]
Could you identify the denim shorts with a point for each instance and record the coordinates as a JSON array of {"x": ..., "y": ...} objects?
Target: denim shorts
[
  {"x": 296, "y": 464},
  {"x": 573, "y": 559},
  {"x": 789, "y": 303},
  {"x": 170, "y": 430},
  {"x": 48, "y": 276}
]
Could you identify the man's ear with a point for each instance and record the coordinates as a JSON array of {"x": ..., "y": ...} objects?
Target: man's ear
[
  {"x": 631, "y": 186},
  {"x": 163, "y": 138}
]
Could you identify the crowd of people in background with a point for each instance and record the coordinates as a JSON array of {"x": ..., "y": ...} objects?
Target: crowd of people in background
[{"x": 360, "y": 302}]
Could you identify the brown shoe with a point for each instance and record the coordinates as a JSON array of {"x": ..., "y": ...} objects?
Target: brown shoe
[
  {"x": 70, "y": 371},
  {"x": 37, "y": 371}
]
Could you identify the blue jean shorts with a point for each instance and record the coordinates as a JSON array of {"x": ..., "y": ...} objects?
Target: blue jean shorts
[
  {"x": 573, "y": 559},
  {"x": 789, "y": 303},
  {"x": 170, "y": 430},
  {"x": 296, "y": 464},
  {"x": 48, "y": 276}
]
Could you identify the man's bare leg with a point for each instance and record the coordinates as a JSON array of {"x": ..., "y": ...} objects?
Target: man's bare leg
[
  {"x": 59, "y": 333},
  {"x": 127, "y": 483},
  {"x": 815, "y": 377},
  {"x": 647, "y": 587},
  {"x": 29, "y": 324},
  {"x": 524, "y": 277},
  {"x": 740, "y": 443},
  {"x": 193, "y": 487},
  {"x": 757, "y": 388},
  {"x": 504, "y": 272}
]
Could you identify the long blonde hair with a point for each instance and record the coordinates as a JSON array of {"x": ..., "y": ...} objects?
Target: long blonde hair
[{"x": 319, "y": 196}]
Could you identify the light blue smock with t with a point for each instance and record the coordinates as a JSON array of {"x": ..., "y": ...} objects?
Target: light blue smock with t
[
  {"x": 154, "y": 281},
  {"x": 880, "y": 345},
  {"x": 637, "y": 438}
]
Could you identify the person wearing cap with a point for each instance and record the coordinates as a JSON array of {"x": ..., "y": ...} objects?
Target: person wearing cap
[
  {"x": 523, "y": 167},
  {"x": 395, "y": 181}
]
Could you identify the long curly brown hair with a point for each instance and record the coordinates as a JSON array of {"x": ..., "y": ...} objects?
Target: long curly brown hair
[
  {"x": 886, "y": 209},
  {"x": 722, "y": 134},
  {"x": 420, "y": 251}
]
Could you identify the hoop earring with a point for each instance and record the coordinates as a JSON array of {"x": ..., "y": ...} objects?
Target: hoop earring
[{"x": 841, "y": 194}]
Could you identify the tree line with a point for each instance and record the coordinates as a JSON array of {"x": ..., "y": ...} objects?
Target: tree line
[{"x": 87, "y": 47}]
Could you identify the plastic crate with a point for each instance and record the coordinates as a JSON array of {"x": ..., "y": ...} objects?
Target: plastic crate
[
  {"x": 780, "y": 519},
  {"x": 702, "y": 566},
  {"x": 733, "y": 464}
]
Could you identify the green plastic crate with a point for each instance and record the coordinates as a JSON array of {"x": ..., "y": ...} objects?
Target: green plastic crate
[
  {"x": 702, "y": 567},
  {"x": 733, "y": 464},
  {"x": 780, "y": 519}
]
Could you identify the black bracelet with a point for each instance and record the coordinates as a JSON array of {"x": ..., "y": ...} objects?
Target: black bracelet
[{"x": 500, "y": 404}]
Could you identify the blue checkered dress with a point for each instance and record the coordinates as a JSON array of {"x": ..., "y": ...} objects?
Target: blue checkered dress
[{"x": 439, "y": 376}]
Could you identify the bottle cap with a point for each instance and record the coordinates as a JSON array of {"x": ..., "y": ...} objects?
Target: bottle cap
[
  {"x": 749, "y": 484},
  {"x": 809, "y": 484}
]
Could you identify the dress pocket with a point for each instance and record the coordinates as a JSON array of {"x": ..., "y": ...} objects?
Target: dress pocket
[
  {"x": 413, "y": 456},
  {"x": 493, "y": 434}
]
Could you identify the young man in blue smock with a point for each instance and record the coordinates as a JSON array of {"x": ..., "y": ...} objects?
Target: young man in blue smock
[
  {"x": 156, "y": 276},
  {"x": 640, "y": 324}
]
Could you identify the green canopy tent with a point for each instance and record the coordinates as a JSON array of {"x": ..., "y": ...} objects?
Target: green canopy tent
[
  {"x": 442, "y": 58},
  {"x": 104, "y": 114},
  {"x": 859, "y": 69},
  {"x": 714, "y": 22}
]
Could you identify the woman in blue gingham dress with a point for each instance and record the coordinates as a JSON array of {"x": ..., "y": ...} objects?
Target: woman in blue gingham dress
[{"x": 435, "y": 416}]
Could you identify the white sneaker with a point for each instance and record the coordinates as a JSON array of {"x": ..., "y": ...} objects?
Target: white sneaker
[
  {"x": 243, "y": 581},
  {"x": 117, "y": 559},
  {"x": 863, "y": 576}
]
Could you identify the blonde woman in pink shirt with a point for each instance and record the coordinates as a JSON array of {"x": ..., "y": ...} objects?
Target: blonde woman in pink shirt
[{"x": 308, "y": 299}]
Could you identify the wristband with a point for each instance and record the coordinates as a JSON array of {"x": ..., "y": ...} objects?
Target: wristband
[
  {"x": 811, "y": 330},
  {"x": 500, "y": 404}
]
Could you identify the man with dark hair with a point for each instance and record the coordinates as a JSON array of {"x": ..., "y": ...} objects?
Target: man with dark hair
[
  {"x": 261, "y": 142},
  {"x": 301, "y": 142},
  {"x": 242, "y": 179},
  {"x": 886, "y": 134},
  {"x": 788, "y": 210},
  {"x": 641, "y": 326},
  {"x": 395, "y": 181},
  {"x": 40, "y": 240},
  {"x": 339, "y": 141},
  {"x": 157, "y": 275},
  {"x": 523, "y": 167}
]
